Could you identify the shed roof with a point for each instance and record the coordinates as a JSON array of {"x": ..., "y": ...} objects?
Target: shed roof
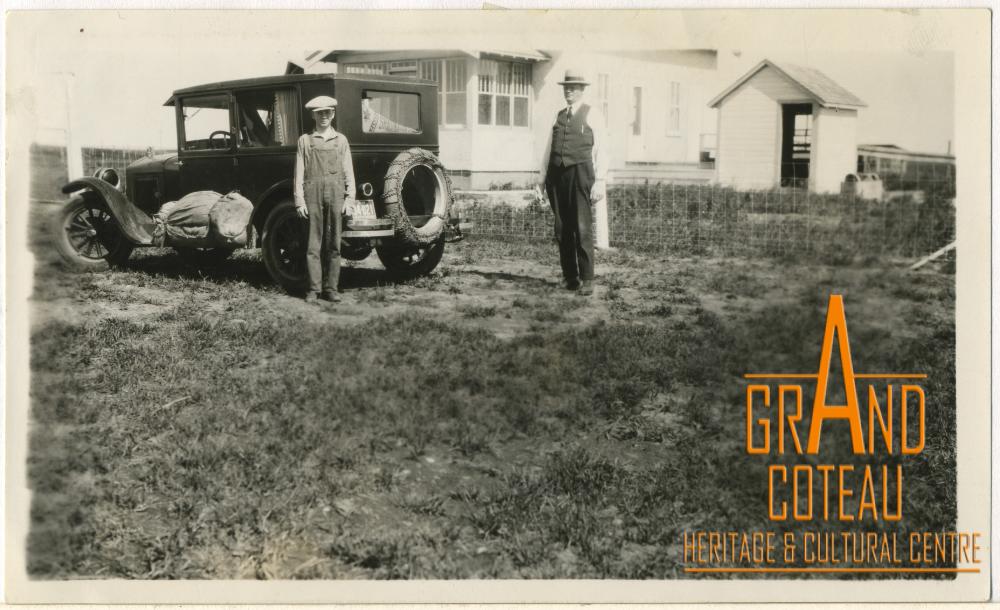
[{"x": 824, "y": 89}]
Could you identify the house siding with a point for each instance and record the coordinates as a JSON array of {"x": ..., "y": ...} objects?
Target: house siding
[{"x": 653, "y": 72}]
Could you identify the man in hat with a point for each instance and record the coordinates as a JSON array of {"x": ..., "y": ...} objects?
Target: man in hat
[
  {"x": 573, "y": 176},
  {"x": 324, "y": 184}
]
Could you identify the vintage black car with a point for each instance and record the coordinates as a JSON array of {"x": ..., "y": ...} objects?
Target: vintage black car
[{"x": 241, "y": 136}]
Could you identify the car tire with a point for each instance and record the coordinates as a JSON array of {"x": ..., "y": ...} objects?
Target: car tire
[
  {"x": 408, "y": 262},
  {"x": 88, "y": 237},
  {"x": 416, "y": 186},
  {"x": 283, "y": 247}
]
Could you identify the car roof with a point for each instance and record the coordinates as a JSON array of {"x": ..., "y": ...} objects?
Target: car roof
[{"x": 284, "y": 79}]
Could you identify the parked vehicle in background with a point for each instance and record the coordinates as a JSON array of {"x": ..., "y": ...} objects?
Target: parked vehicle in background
[{"x": 241, "y": 136}]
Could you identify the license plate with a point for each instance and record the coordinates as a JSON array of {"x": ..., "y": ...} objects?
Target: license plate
[{"x": 364, "y": 209}]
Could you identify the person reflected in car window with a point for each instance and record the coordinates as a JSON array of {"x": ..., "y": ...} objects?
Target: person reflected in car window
[{"x": 373, "y": 121}]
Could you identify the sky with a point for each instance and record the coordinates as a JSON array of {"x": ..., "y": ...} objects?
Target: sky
[{"x": 104, "y": 75}]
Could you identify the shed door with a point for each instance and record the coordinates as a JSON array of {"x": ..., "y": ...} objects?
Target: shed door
[{"x": 796, "y": 144}]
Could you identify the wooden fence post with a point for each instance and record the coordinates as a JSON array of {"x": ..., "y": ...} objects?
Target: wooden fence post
[{"x": 601, "y": 233}]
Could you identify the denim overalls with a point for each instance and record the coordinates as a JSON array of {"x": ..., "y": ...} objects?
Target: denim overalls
[{"x": 323, "y": 189}]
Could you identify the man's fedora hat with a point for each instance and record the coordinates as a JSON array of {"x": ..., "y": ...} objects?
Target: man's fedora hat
[
  {"x": 574, "y": 78},
  {"x": 323, "y": 102}
]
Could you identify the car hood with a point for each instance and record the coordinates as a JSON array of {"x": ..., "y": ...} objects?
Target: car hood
[{"x": 154, "y": 163}]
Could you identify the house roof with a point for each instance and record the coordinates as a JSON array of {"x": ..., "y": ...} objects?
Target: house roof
[
  {"x": 825, "y": 90},
  {"x": 331, "y": 55}
]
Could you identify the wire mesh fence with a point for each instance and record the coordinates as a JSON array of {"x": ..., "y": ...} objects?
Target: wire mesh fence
[
  {"x": 49, "y": 166},
  {"x": 916, "y": 218},
  {"x": 714, "y": 220}
]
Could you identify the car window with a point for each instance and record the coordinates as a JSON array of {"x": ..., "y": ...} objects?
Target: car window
[
  {"x": 206, "y": 122},
  {"x": 390, "y": 112},
  {"x": 267, "y": 118}
]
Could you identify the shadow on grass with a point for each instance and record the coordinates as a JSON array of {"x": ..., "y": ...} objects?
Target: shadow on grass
[
  {"x": 244, "y": 266},
  {"x": 513, "y": 277}
]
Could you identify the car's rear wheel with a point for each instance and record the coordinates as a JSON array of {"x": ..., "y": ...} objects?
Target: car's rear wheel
[
  {"x": 407, "y": 262},
  {"x": 88, "y": 236},
  {"x": 283, "y": 247}
]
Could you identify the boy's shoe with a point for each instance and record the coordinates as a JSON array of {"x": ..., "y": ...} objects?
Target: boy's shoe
[
  {"x": 586, "y": 288},
  {"x": 571, "y": 284},
  {"x": 310, "y": 297},
  {"x": 331, "y": 295}
]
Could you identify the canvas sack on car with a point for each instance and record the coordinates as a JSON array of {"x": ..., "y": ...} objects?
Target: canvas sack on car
[{"x": 203, "y": 219}]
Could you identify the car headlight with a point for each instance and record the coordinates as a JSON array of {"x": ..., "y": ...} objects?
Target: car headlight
[{"x": 109, "y": 175}]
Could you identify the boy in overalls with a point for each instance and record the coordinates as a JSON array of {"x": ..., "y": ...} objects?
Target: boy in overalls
[{"x": 324, "y": 184}]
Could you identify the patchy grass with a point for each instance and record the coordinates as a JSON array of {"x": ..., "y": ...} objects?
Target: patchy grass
[{"x": 479, "y": 423}]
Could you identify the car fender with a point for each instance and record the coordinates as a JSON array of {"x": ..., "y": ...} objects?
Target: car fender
[
  {"x": 135, "y": 224},
  {"x": 268, "y": 199}
]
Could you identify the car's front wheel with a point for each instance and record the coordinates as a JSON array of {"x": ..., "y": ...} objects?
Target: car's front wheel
[
  {"x": 283, "y": 247},
  {"x": 88, "y": 236}
]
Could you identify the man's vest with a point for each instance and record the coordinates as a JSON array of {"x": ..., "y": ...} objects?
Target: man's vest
[{"x": 572, "y": 139}]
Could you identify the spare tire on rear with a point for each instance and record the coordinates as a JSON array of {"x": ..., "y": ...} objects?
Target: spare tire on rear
[{"x": 418, "y": 197}]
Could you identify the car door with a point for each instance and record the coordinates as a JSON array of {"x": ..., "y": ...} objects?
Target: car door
[
  {"x": 268, "y": 126},
  {"x": 207, "y": 143}
]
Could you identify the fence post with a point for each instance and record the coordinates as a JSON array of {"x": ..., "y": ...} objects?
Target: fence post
[
  {"x": 74, "y": 153},
  {"x": 601, "y": 222}
]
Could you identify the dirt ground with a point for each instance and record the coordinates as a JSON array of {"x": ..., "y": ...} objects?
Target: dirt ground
[{"x": 466, "y": 430}]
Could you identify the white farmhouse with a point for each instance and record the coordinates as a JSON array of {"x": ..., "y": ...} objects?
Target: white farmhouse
[
  {"x": 786, "y": 125},
  {"x": 496, "y": 107}
]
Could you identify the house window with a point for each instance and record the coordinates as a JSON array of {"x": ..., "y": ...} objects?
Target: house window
[
  {"x": 370, "y": 68},
  {"x": 674, "y": 110},
  {"x": 504, "y": 88},
  {"x": 450, "y": 76},
  {"x": 603, "y": 89},
  {"x": 395, "y": 68},
  {"x": 637, "y": 111}
]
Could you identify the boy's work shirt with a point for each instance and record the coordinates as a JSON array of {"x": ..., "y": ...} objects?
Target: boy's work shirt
[{"x": 323, "y": 157}]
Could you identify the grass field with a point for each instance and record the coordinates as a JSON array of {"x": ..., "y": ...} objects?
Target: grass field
[{"x": 481, "y": 422}]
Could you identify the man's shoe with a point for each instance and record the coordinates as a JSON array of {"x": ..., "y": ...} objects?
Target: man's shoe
[
  {"x": 331, "y": 295},
  {"x": 571, "y": 284},
  {"x": 586, "y": 288},
  {"x": 310, "y": 297}
]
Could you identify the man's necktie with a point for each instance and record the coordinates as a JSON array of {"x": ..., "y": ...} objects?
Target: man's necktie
[{"x": 569, "y": 112}]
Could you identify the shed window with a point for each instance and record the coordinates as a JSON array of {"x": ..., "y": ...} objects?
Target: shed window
[{"x": 803, "y": 137}]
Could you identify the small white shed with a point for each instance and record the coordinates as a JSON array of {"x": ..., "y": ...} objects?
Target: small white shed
[{"x": 786, "y": 125}]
